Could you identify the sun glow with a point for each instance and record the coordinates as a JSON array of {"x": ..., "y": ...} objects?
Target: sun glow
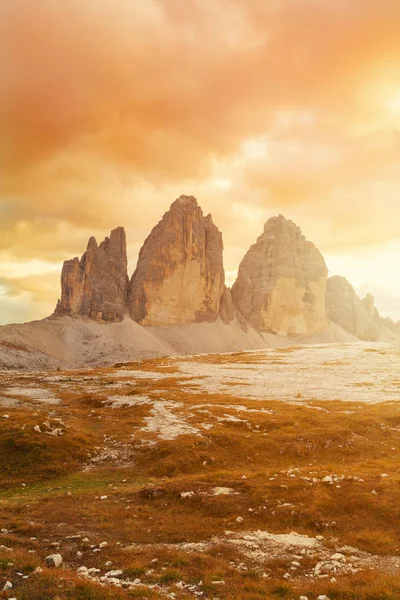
[{"x": 394, "y": 103}]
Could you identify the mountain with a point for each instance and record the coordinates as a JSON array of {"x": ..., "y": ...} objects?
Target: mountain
[
  {"x": 357, "y": 316},
  {"x": 96, "y": 285},
  {"x": 281, "y": 283},
  {"x": 176, "y": 302},
  {"x": 179, "y": 278}
]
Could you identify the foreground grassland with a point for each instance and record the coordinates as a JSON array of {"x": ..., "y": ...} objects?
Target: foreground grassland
[{"x": 192, "y": 479}]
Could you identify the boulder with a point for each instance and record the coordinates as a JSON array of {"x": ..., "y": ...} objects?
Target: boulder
[{"x": 53, "y": 560}]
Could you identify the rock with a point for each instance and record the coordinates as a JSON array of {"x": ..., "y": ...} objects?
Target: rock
[
  {"x": 227, "y": 308},
  {"x": 228, "y": 311},
  {"x": 96, "y": 285},
  {"x": 346, "y": 309},
  {"x": 281, "y": 283},
  {"x": 116, "y": 573},
  {"x": 53, "y": 560},
  {"x": 179, "y": 277},
  {"x": 7, "y": 586},
  {"x": 82, "y": 570},
  {"x": 338, "y": 556},
  {"x": 323, "y": 597}
]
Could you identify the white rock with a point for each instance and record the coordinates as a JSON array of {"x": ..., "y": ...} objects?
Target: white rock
[
  {"x": 239, "y": 520},
  {"x": 338, "y": 556},
  {"x": 115, "y": 573},
  {"x": 54, "y": 560},
  {"x": 7, "y": 586},
  {"x": 187, "y": 494}
]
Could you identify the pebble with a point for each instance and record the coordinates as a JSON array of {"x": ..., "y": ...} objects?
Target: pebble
[{"x": 239, "y": 520}]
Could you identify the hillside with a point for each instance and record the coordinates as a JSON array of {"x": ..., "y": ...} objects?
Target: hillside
[{"x": 267, "y": 474}]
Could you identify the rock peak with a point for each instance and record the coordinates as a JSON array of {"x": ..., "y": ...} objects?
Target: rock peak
[
  {"x": 179, "y": 277},
  {"x": 183, "y": 199},
  {"x": 96, "y": 285},
  {"x": 281, "y": 282}
]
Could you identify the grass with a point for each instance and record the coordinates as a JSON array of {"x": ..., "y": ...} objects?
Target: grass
[{"x": 274, "y": 460}]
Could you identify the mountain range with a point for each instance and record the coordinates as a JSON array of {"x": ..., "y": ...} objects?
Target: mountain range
[{"x": 176, "y": 301}]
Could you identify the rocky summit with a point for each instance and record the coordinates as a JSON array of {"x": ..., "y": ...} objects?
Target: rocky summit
[
  {"x": 179, "y": 277},
  {"x": 96, "y": 285},
  {"x": 281, "y": 283}
]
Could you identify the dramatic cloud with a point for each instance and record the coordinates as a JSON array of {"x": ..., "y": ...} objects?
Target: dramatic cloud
[{"x": 110, "y": 109}]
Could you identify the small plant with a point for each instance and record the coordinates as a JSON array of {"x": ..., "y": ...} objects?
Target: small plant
[
  {"x": 281, "y": 591},
  {"x": 170, "y": 576}
]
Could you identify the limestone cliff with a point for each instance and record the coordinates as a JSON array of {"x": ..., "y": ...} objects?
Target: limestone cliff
[
  {"x": 96, "y": 285},
  {"x": 281, "y": 283},
  {"x": 353, "y": 314},
  {"x": 179, "y": 277}
]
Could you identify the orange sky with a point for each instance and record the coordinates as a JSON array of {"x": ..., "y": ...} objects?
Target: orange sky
[{"x": 110, "y": 109}]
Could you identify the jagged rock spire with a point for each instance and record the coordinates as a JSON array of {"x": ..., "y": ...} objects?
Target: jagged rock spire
[{"x": 96, "y": 285}]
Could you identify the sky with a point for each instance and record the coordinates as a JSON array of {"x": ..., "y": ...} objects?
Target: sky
[{"x": 111, "y": 109}]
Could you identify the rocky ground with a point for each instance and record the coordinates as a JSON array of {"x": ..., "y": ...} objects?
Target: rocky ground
[{"x": 266, "y": 474}]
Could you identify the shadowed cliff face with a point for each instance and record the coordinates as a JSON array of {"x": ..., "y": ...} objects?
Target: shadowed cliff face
[
  {"x": 96, "y": 285},
  {"x": 281, "y": 283},
  {"x": 179, "y": 277}
]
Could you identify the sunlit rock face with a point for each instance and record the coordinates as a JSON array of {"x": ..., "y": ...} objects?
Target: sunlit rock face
[
  {"x": 353, "y": 314},
  {"x": 96, "y": 285},
  {"x": 179, "y": 278},
  {"x": 281, "y": 282}
]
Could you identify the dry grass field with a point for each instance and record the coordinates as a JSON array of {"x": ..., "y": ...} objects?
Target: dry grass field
[{"x": 246, "y": 476}]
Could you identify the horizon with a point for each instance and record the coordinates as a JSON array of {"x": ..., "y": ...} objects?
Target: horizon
[{"x": 111, "y": 110}]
